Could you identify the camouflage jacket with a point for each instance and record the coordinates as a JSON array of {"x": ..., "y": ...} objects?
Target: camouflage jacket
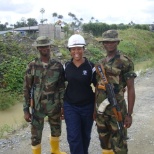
[
  {"x": 118, "y": 70},
  {"x": 47, "y": 80}
]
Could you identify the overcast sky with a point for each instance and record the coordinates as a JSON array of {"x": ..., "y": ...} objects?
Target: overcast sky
[{"x": 107, "y": 11}]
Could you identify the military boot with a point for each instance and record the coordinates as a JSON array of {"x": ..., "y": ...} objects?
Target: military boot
[
  {"x": 105, "y": 151},
  {"x": 54, "y": 142},
  {"x": 36, "y": 149}
]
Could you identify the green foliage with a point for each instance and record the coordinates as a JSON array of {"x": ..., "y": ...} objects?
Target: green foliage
[
  {"x": 129, "y": 48},
  {"x": 66, "y": 30},
  {"x": 7, "y": 99},
  {"x": 143, "y": 27},
  {"x": 13, "y": 72},
  {"x": 2, "y": 27},
  {"x": 5, "y": 129},
  {"x": 12, "y": 66},
  {"x": 95, "y": 28},
  {"x": 2, "y": 48},
  {"x": 32, "y": 22},
  {"x": 65, "y": 53},
  {"x": 122, "y": 26},
  {"x": 98, "y": 28},
  {"x": 96, "y": 54},
  {"x": 138, "y": 44}
]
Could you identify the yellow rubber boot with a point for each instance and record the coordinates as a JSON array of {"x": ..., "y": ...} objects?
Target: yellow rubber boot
[
  {"x": 111, "y": 152},
  {"x": 54, "y": 142},
  {"x": 36, "y": 149},
  {"x": 104, "y": 151}
]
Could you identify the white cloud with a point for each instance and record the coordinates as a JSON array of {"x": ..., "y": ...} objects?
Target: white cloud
[{"x": 110, "y": 12}]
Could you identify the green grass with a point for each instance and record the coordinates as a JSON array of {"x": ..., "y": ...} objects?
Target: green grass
[
  {"x": 5, "y": 130},
  {"x": 138, "y": 44},
  {"x": 8, "y": 99}
]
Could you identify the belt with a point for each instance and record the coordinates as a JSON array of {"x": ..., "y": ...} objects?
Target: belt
[{"x": 48, "y": 97}]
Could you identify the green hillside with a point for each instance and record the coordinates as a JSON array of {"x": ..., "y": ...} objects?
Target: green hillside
[
  {"x": 138, "y": 44},
  {"x": 15, "y": 54}
]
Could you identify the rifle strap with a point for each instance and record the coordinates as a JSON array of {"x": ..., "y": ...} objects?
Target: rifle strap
[{"x": 101, "y": 71}]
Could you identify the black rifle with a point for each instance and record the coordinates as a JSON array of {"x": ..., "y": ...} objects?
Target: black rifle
[{"x": 112, "y": 99}]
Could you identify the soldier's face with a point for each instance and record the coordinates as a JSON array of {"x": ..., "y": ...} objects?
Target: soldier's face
[
  {"x": 110, "y": 46},
  {"x": 44, "y": 50}
]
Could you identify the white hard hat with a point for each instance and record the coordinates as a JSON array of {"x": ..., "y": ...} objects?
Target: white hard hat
[{"x": 76, "y": 40}]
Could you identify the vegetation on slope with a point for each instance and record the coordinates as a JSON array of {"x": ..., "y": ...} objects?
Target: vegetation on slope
[{"x": 14, "y": 56}]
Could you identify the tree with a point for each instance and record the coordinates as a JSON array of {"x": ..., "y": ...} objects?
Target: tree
[
  {"x": 43, "y": 20},
  {"x": 12, "y": 26},
  {"x": 6, "y": 23},
  {"x": 81, "y": 19},
  {"x": 97, "y": 21},
  {"x": 42, "y": 11},
  {"x": 21, "y": 23},
  {"x": 113, "y": 26},
  {"x": 54, "y": 15},
  {"x": 32, "y": 22},
  {"x": 60, "y": 17},
  {"x": 92, "y": 19},
  {"x": 2, "y": 27},
  {"x": 23, "y": 20},
  {"x": 71, "y": 15}
]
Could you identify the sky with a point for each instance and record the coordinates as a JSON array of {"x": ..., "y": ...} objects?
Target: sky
[{"x": 106, "y": 11}]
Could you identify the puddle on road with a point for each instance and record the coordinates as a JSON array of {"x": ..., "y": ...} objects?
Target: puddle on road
[{"x": 12, "y": 117}]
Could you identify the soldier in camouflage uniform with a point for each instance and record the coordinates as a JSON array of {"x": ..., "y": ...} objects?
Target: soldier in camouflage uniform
[
  {"x": 46, "y": 76},
  {"x": 120, "y": 73}
]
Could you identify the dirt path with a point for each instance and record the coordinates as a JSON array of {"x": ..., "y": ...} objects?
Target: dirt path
[{"x": 141, "y": 133}]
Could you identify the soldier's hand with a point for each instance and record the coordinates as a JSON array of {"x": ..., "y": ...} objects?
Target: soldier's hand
[
  {"x": 128, "y": 121},
  {"x": 62, "y": 113},
  {"x": 27, "y": 116}
]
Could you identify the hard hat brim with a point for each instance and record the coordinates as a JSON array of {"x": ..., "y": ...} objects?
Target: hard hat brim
[{"x": 71, "y": 46}]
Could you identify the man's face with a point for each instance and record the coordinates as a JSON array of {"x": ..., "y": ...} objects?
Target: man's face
[
  {"x": 110, "y": 46},
  {"x": 44, "y": 50}
]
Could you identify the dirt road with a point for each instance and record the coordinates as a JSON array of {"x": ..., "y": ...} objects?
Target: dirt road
[{"x": 141, "y": 134}]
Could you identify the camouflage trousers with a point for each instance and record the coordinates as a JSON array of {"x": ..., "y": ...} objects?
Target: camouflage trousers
[
  {"x": 109, "y": 135},
  {"x": 53, "y": 111}
]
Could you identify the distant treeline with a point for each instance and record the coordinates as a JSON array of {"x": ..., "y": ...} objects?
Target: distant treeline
[{"x": 96, "y": 29}]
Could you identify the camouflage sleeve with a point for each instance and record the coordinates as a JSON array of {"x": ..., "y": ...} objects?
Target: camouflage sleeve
[
  {"x": 129, "y": 71},
  {"x": 28, "y": 80},
  {"x": 61, "y": 84}
]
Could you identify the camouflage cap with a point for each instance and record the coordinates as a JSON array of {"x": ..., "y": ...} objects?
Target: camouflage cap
[
  {"x": 110, "y": 35},
  {"x": 42, "y": 41}
]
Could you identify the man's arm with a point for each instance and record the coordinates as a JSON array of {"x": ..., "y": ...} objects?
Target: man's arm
[
  {"x": 131, "y": 95},
  {"x": 131, "y": 102},
  {"x": 26, "y": 90},
  {"x": 61, "y": 89}
]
